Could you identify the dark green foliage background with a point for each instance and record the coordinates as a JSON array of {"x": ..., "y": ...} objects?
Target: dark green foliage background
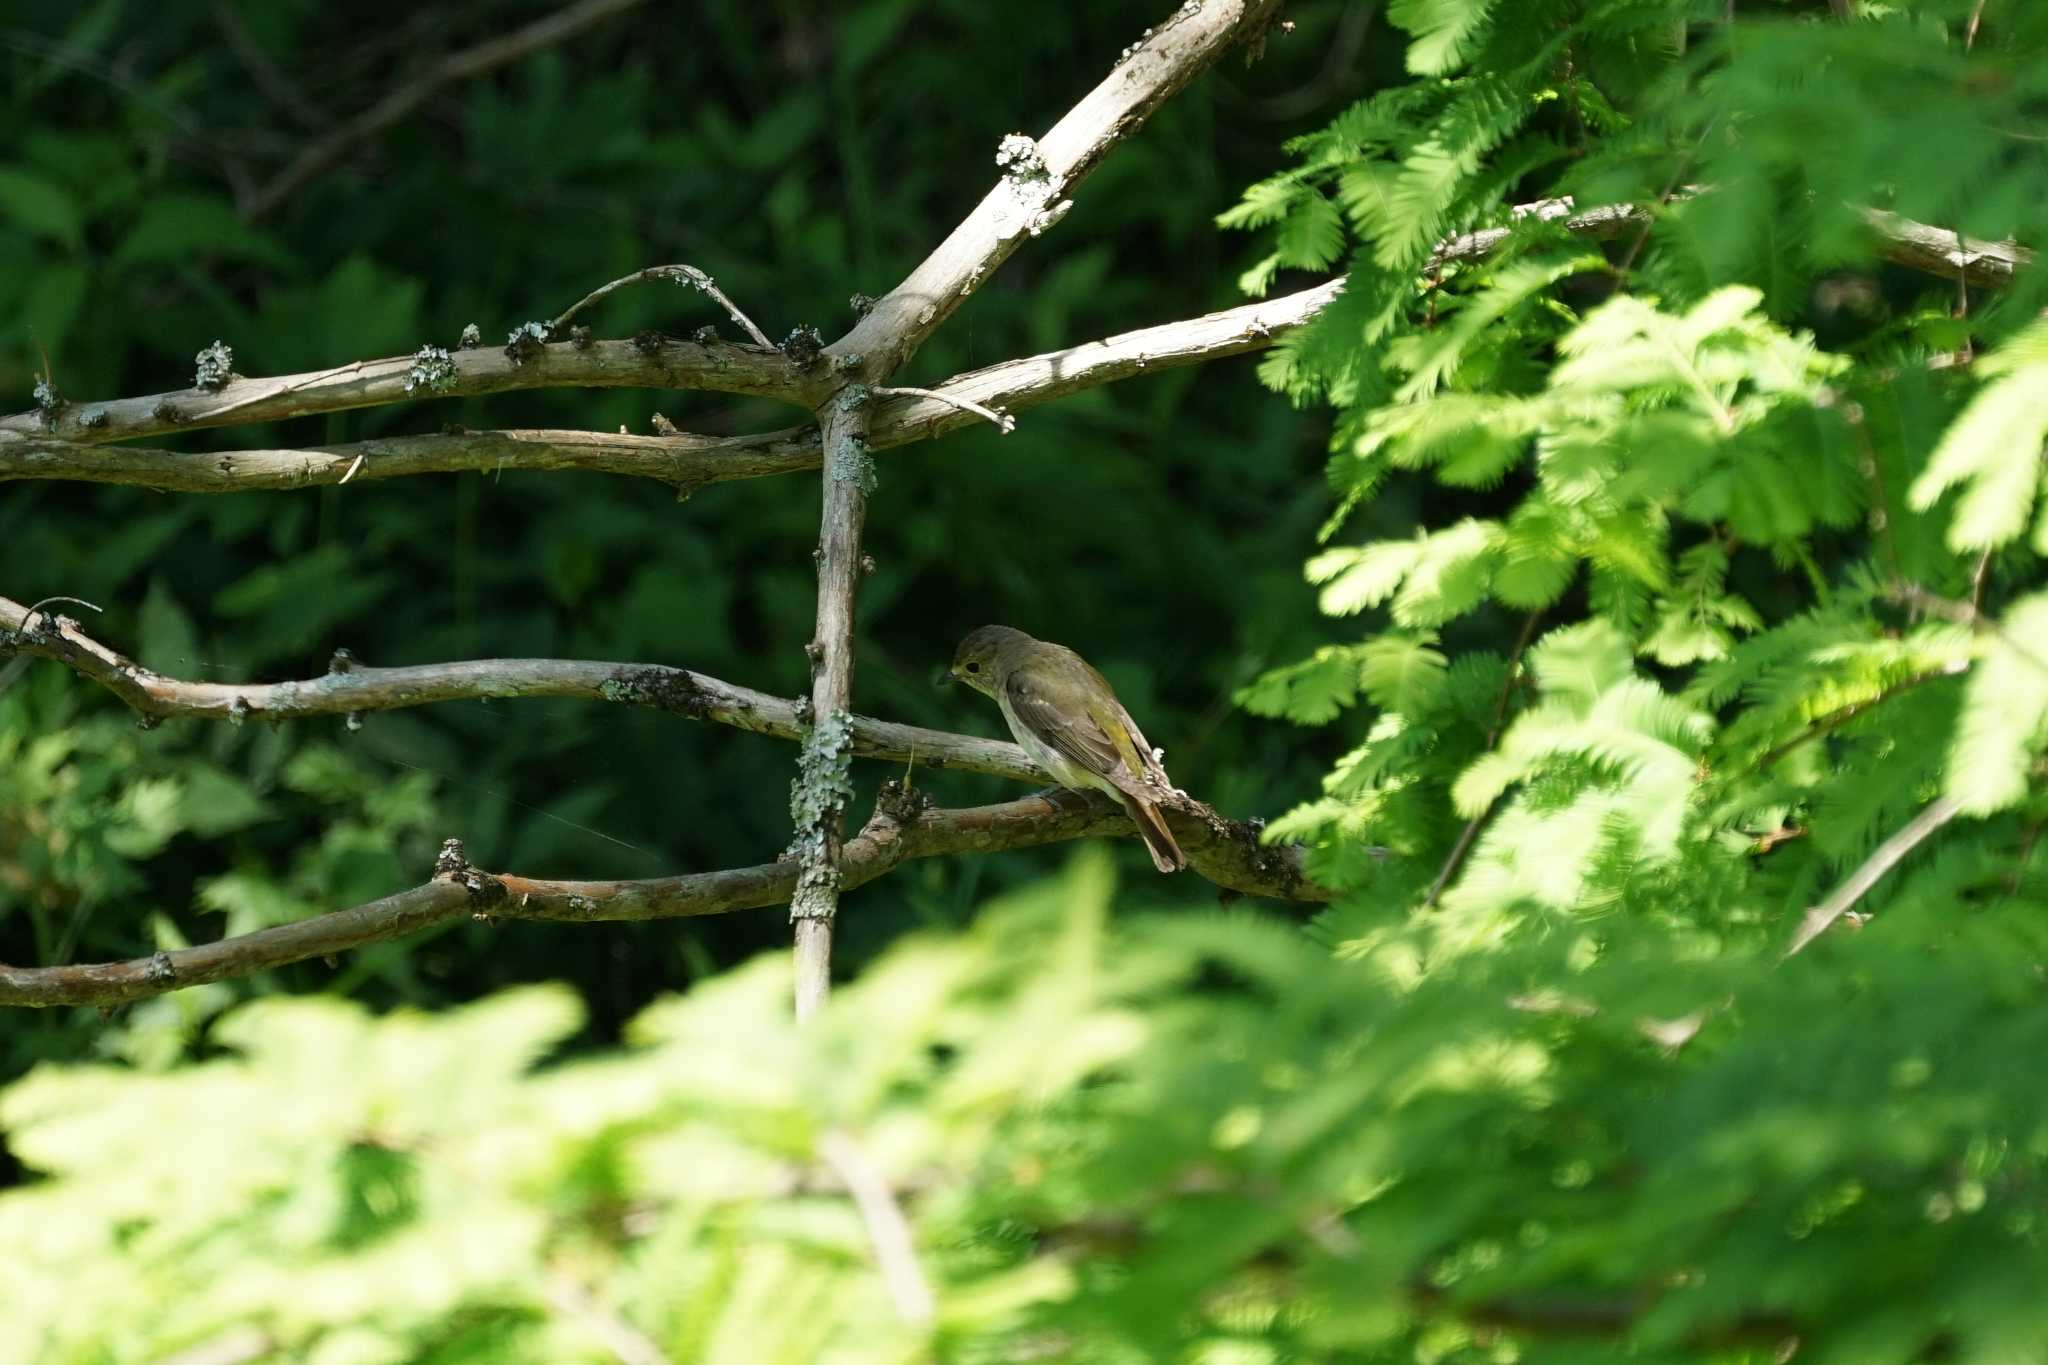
[
  {"x": 799, "y": 153},
  {"x": 1664, "y": 583}
]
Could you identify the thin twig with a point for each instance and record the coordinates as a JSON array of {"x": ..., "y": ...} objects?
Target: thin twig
[
  {"x": 1500, "y": 714},
  {"x": 275, "y": 85},
  {"x": 467, "y": 64},
  {"x": 1004, "y": 422},
  {"x": 1980, "y": 579},
  {"x": 34, "y": 609},
  {"x": 888, "y": 1230},
  {"x": 1635, "y": 247},
  {"x": 627, "y": 1343},
  {"x": 1964, "y": 614},
  {"x": 1938, "y": 812},
  {"x": 680, "y": 274}
]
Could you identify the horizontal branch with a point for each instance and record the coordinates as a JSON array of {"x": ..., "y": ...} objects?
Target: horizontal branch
[
  {"x": 689, "y": 462},
  {"x": 902, "y": 829},
  {"x": 1946, "y": 252},
  {"x": 684, "y": 461},
  {"x": 1902, "y": 241},
  {"x": 655, "y": 362},
  {"x": 1013, "y": 384},
  {"x": 351, "y": 687}
]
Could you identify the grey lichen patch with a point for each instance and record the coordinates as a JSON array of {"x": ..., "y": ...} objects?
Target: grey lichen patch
[
  {"x": 803, "y": 346},
  {"x": 432, "y": 370},
  {"x": 579, "y": 337},
  {"x": 1020, "y": 158},
  {"x": 167, "y": 412},
  {"x": 238, "y": 710},
  {"x": 817, "y": 801},
  {"x": 707, "y": 335},
  {"x": 861, "y": 304},
  {"x": 666, "y": 689},
  {"x": 161, "y": 969},
  {"x": 472, "y": 338},
  {"x": 848, "y": 459},
  {"x": 525, "y": 341},
  {"x": 95, "y": 420},
  {"x": 49, "y": 402},
  {"x": 214, "y": 367},
  {"x": 451, "y": 862}
]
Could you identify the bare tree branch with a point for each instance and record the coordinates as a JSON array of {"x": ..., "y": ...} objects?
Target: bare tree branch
[
  {"x": 459, "y": 66},
  {"x": 1226, "y": 852},
  {"x": 1946, "y": 252},
  {"x": 899, "y": 417},
  {"x": 1937, "y": 813},
  {"x": 351, "y": 687},
  {"x": 1039, "y": 177},
  {"x": 1012, "y": 384},
  {"x": 628, "y": 1344},
  {"x": 45, "y": 450},
  {"x": 655, "y": 363},
  {"x": 818, "y": 800},
  {"x": 684, "y": 461},
  {"x": 888, "y": 1229}
]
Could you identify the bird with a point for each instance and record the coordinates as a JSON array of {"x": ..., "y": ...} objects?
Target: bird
[{"x": 1066, "y": 716}]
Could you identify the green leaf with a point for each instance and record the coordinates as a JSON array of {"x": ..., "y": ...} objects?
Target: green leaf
[
  {"x": 41, "y": 206},
  {"x": 175, "y": 228},
  {"x": 1994, "y": 449},
  {"x": 1311, "y": 692},
  {"x": 1402, "y": 672},
  {"x": 1446, "y": 31},
  {"x": 168, "y": 642},
  {"x": 2005, "y": 713}
]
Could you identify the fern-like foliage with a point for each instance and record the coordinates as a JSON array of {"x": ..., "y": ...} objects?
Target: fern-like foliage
[{"x": 1682, "y": 578}]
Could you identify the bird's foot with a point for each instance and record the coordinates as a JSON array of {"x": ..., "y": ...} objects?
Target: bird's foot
[{"x": 1056, "y": 798}]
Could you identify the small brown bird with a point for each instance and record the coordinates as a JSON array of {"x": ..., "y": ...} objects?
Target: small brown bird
[{"x": 1067, "y": 718}]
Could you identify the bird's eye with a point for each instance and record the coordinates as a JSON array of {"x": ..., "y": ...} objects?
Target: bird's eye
[{"x": 974, "y": 668}]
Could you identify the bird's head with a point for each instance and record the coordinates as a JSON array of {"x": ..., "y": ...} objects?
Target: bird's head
[{"x": 981, "y": 660}]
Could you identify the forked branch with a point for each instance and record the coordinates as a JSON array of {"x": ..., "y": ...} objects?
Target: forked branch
[{"x": 1039, "y": 175}]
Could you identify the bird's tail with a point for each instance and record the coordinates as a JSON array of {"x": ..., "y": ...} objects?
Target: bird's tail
[{"x": 1166, "y": 854}]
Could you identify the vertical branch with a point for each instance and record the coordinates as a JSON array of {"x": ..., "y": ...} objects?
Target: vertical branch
[{"x": 819, "y": 797}]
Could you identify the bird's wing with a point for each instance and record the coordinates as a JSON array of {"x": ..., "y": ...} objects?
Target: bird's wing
[{"x": 1087, "y": 740}]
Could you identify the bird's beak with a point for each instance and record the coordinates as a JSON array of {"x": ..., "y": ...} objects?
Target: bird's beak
[{"x": 945, "y": 679}]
